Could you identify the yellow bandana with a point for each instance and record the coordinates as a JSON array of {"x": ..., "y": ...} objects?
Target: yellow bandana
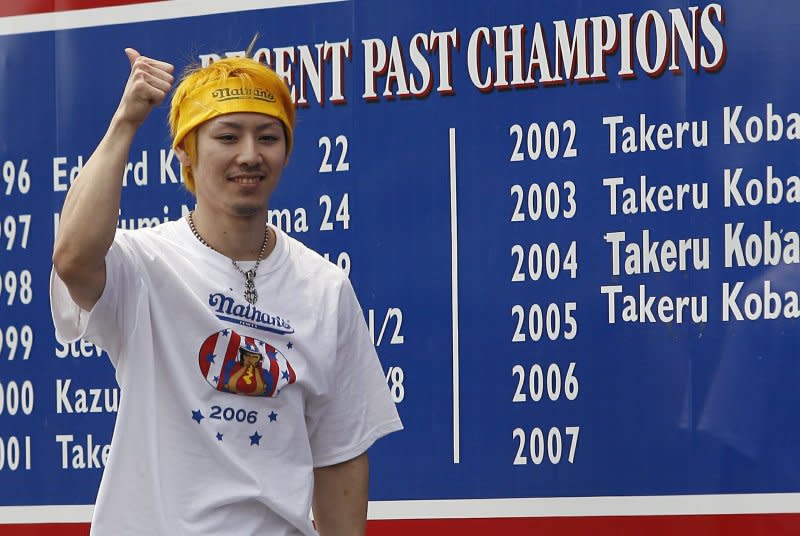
[{"x": 231, "y": 96}]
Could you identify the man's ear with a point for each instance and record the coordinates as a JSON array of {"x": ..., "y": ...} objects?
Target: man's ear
[{"x": 183, "y": 156}]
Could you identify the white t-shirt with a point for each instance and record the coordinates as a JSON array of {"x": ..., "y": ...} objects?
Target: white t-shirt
[{"x": 209, "y": 438}]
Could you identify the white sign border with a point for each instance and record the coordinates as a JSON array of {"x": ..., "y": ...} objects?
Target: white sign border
[
  {"x": 622, "y": 506},
  {"x": 148, "y": 11}
]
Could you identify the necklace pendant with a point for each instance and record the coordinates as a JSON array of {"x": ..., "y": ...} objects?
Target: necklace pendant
[
  {"x": 250, "y": 293},
  {"x": 251, "y": 296}
]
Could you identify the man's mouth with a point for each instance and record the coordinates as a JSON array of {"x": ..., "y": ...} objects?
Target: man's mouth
[{"x": 246, "y": 179}]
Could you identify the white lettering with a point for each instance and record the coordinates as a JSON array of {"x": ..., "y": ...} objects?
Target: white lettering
[
  {"x": 646, "y": 309},
  {"x": 764, "y": 305},
  {"x": 88, "y": 455},
  {"x": 664, "y": 198},
  {"x": 652, "y": 137},
  {"x": 653, "y": 256},
  {"x": 105, "y": 400}
]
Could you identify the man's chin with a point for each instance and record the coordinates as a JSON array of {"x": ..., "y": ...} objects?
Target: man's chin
[{"x": 248, "y": 210}]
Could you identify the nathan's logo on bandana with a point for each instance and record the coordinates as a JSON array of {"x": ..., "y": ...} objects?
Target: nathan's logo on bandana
[
  {"x": 230, "y": 93},
  {"x": 241, "y": 365},
  {"x": 226, "y": 308}
]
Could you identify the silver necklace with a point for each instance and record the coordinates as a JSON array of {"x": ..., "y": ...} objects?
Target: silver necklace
[{"x": 250, "y": 292}]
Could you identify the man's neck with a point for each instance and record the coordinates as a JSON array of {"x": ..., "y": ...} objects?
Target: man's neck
[{"x": 237, "y": 237}]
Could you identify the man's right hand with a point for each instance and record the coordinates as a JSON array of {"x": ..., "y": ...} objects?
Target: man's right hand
[{"x": 148, "y": 84}]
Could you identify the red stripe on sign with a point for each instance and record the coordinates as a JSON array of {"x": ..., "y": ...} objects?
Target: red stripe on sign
[
  {"x": 29, "y": 7},
  {"x": 73, "y": 529},
  {"x": 705, "y": 525}
]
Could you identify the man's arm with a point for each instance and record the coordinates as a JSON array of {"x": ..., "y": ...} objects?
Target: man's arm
[
  {"x": 340, "y": 497},
  {"x": 89, "y": 216}
]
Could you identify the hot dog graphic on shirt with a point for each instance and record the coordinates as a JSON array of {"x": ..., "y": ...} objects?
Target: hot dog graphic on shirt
[{"x": 244, "y": 365}]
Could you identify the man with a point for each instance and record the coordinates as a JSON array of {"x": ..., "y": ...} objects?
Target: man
[{"x": 173, "y": 304}]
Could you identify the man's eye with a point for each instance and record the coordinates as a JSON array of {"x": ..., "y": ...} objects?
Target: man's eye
[
  {"x": 226, "y": 137},
  {"x": 269, "y": 138}
]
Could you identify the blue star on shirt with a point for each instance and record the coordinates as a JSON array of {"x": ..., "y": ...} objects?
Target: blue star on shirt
[
  {"x": 255, "y": 438},
  {"x": 197, "y": 415},
  {"x": 285, "y": 375},
  {"x": 219, "y": 436},
  {"x": 289, "y": 345},
  {"x": 216, "y": 379},
  {"x": 225, "y": 332},
  {"x": 210, "y": 357},
  {"x": 273, "y": 417}
]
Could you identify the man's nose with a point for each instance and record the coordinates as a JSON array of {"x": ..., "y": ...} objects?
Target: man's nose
[{"x": 249, "y": 154}]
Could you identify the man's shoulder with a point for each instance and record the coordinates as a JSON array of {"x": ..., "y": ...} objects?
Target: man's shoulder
[
  {"x": 311, "y": 263},
  {"x": 169, "y": 230},
  {"x": 165, "y": 240}
]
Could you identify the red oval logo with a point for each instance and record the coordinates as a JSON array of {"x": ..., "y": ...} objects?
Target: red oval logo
[{"x": 242, "y": 365}]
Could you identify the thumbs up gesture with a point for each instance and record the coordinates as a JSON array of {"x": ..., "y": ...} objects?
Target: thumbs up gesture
[{"x": 148, "y": 84}]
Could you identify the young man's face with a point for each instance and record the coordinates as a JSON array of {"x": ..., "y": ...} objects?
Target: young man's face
[
  {"x": 240, "y": 158},
  {"x": 250, "y": 359}
]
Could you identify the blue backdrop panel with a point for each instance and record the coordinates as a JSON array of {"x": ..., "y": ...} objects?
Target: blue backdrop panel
[{"x": 567, "y": 207}]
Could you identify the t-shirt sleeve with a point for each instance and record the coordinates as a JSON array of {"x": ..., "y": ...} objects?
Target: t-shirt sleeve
[
  {"x": 358, "y": 408},
  {"x": 105, "y": 325}
]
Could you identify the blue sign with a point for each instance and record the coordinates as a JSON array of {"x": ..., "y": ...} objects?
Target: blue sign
[{"x": 573, "y": 230}]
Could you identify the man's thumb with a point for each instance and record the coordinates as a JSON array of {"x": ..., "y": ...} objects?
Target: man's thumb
[{"x": 132, "y": 55}]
